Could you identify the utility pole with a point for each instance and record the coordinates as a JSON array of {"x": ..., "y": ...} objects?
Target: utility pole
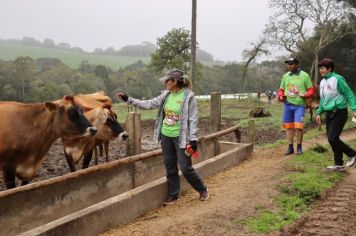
[{"x": 193, "y": 43}]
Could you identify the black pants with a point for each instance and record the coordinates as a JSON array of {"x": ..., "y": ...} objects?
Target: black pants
[
  {"x": 335, "y": 122},
  {"x": 172, "y": 154}
]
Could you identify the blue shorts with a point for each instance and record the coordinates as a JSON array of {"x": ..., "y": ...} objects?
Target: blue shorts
[{"x": 293, "y": 116}]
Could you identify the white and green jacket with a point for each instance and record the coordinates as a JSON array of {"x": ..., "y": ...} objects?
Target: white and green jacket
[
  {"x": 188, "y": 115},
  {"x": 335, "y": 94}
]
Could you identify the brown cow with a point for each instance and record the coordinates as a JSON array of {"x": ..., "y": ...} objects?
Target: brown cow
[
  {"x": 312, "y": 103},
  {"x": 28, "y": 130},
  {"x": 103, "y": 149},
  {"x": 99, "y": 113}
]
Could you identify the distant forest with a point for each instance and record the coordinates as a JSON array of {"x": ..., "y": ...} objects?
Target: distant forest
[{"x": 27, "y": 79}]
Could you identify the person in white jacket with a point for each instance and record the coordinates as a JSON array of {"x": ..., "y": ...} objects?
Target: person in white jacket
[{"x": 175, "y": 127}]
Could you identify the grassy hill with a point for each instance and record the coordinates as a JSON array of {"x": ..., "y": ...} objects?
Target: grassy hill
[{"x": 9, "y": 51}]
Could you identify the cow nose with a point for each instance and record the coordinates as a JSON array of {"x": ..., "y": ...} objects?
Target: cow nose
[
  {"x": 124, "y": 135},
  {"x": 92, "y": 131}
]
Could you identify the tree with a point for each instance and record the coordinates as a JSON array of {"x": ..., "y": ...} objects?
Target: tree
[
  {"x": 193, "y": 42},
  {"x": 48, "y": 43},
  {"x": 173, "y": 51},
  {"x": 145, "y": 49},
  {"x": 24, "y": 72},
  {"x": 294, "y": 22},
  {"x": 63, "y": 45},
  {"x": 250, "y": 55},
  {"x": 31, "y": 41},
  {"x": 110, "y": 51},
  {"x": 85, "y": 67},
  {"x": 351, "y": 2},
  {"x": 47, "y": 63},
  {"x": 77, "y": 49},
  {"x": 101, "y": 71},
  {"x": 98, "y": 51}
]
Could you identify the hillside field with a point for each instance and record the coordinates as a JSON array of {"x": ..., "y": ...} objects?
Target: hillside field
[{"x": 9, "y": 51}]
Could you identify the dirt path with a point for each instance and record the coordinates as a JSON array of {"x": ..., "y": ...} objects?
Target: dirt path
[
  {"x": 236, "y": 193},
  {"x": 334, "y": 215}
]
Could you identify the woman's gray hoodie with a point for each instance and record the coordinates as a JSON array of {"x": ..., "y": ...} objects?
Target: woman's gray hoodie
[{"x": 188, "y": 115}]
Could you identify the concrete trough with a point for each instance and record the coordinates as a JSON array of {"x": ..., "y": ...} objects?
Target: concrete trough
[
  {"x": 94, "y": 199},
  {"x": 127, "y": 206}
]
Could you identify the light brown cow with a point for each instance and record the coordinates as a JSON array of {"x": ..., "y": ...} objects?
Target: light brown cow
[
  {"x": 103, "y": 149},
  {"x": 98, "y": 111},
  {"x": 28, "y": 130}
]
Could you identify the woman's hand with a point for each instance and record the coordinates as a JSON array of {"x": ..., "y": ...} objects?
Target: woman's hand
[
  {"x": 123, "y": 96},
  {"x": 193, "y": 145},
  {"x": 354, "y": 114},
  {"x": 318, "y": 120}
]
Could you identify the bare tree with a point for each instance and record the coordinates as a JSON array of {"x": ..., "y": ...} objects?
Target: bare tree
[
  {"x": 193, "y": 42},
  {"x": 257, "y": 49},
  {"x": 295, "y": 22}
]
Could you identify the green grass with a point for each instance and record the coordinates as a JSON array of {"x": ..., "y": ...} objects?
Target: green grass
[
  {"x": 305, "y": 184},
  {"x": 230, "y": 109},
  {"x": 10, "y": 51},
  {"x": 238, "y": 111}
]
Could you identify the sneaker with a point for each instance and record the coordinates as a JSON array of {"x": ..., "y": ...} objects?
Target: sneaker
[
  {"x": 170, "y": 200},
  {"x": 336, "y": 168},
  {"x": 351, "y": 161},
  {"x": 289, "y": 151},
  {"x": 204, "y": 195},
  {"x": 299, "y": 151}
]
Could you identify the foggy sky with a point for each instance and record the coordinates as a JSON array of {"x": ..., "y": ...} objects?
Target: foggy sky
[{"x": 224, "y": 27}]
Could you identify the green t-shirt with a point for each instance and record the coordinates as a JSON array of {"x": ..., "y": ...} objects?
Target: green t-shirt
[
  {"x": 171, "y": 122},
  {"x": 294, "y": 84}
]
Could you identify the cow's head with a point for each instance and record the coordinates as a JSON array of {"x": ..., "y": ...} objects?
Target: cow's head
[
  {"x": 69, "y": 118},
  {"x": 107, "y": 124}
]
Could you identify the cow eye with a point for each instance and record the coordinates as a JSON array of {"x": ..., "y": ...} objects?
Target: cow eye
[
  {"x": 73, "y": 113},
  {"x": 109, "y": 119}
]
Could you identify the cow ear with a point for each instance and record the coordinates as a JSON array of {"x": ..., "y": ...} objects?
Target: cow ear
[
  {"x": 107, "y": 106},
  {"x": 68, "y": 98},
  {"x": 103, "y": 116},
  {"x": 51, "y": 106}
]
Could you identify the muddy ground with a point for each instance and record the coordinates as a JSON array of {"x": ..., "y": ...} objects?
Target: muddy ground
[{"x": 55, "y": 164}]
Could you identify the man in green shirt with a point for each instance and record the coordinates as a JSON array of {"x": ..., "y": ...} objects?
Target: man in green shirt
[{"x": 295, "y": 87}]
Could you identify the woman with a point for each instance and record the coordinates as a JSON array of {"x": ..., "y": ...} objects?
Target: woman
[
  {"x": 175, "y": 127},
  {"x": 334, "y": 96}
]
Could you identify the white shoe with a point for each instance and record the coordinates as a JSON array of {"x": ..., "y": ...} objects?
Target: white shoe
[
  {"x": 351, "y": 161},
  {"x": 336, "y": 168}
]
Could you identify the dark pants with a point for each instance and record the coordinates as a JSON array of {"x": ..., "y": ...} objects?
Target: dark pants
[
  {"x": 172, "y": 154},
  {"x": 335, "y": 122}
]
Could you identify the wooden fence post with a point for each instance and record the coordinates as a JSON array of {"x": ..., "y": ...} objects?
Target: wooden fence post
[
  {"x": 215, "y": 112},
  {"x": 238, "y": 135},
  {"x": 133, "y": 128},
  {"x": 251, "y": 131}
]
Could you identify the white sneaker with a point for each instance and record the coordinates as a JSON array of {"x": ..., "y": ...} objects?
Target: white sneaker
[
  {"x": 336, "y": 168},
  {"x": 351, "y": 161}
]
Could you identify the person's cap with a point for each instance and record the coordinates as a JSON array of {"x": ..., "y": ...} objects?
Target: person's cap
[
  {"x": 172, "y": 74},
  {"x": 292, "y": 60}
]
